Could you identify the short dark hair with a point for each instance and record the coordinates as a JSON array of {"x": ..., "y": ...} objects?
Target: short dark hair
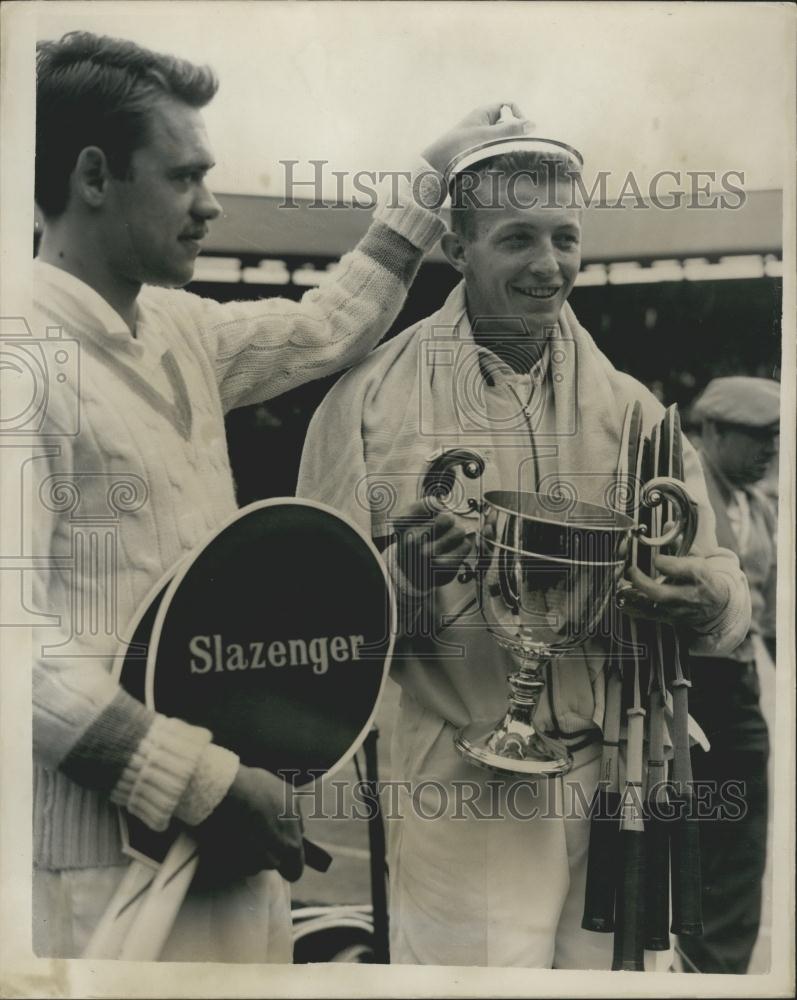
[
  {"x": 541, "y": 167},
  {"x": 92, "y": 90}
]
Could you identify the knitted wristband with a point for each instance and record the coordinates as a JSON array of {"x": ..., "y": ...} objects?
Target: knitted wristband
[
  {"x": 157, "y": 774},
  {"x": 210, "y": 782},
  {"x": 409, "y": 205}
]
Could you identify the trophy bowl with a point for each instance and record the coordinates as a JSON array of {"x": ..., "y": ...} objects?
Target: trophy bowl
[
  {"x": 548, "y": 567},
  {"x": 547, "y": 570}
]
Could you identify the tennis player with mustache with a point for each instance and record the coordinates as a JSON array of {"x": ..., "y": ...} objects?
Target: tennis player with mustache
[{"x": 122, "y": 159}]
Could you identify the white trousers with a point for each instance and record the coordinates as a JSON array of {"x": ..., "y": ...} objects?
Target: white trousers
[
  {"x": 504, "y": 891},
  {"x": 248, "y": 921}
]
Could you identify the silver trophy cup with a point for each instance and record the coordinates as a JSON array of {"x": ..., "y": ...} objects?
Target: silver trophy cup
[{"x": 547, "y": 569}]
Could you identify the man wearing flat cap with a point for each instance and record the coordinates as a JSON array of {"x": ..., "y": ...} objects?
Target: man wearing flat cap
[
  {"x": 505, "y": 369},
  {"x": 739, "y": 419}
]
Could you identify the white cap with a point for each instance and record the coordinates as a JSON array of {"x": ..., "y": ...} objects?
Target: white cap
[
  {"x": 516, "y": 144},
  {"x": 510, "y": 144}
]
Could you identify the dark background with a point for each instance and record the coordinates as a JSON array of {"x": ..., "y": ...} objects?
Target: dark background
[{"x": 673, "y": 336}]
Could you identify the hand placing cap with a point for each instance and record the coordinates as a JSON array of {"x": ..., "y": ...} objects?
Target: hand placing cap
[
  {"x": 506, "y": 114},
  {"x": 483, "y": 125}
]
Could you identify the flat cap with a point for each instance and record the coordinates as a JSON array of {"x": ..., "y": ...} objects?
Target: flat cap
[{"x": 739, "y": 399}]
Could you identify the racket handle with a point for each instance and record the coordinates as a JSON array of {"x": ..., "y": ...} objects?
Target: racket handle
[
  {"x": 602, "y": 862},
  {"x": 157, "y": 914},
  {"x": 657, "y": 888},
  {"x": 687, "y": 910},
  {"x": 629, "y": 934},
  {"x": 315, "y": 857},
  {"x": 682, "y": 760},
  {"x": 109, "y": 935}
]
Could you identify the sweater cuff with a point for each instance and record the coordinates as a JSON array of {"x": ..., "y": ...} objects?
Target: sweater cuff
[
  {"x": 209, "y": 783},
  {"x": 159, "y": 771},
  {"x": 410, "y": 204},
  {"x": 101, "y": 755}
]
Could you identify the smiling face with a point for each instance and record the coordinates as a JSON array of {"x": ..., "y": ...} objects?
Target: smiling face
[
  {"x": 160, "y": 212},
  {"x": 524, "y": 255}
]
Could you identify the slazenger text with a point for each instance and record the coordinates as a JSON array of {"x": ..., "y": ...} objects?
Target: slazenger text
[{"x": 209, "y": 653}]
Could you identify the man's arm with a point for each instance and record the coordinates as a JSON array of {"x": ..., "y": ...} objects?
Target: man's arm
[
  {"x": 97, "y": 735},
  {"x": 262, "y": 349},
  {"x": 160, "y": 768}
]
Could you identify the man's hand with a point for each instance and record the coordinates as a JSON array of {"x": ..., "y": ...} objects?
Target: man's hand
[
  {"x": 479, "y": 126},
  {"x": 430, "y": 553},
  {"x": 690, "y": 594},
  {"x": 250, "y": 830}
]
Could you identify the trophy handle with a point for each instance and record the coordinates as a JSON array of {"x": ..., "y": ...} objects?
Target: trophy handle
[
  {"x": 657, "y": 491},
  {"x": 438, "y": 482}
]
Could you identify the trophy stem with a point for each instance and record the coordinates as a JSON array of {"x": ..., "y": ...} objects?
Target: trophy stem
[
  {"x": 514, "y": 746},
  {"x": 526, "y": 685}
]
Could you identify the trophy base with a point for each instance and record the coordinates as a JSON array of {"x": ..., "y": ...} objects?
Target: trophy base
[{"x": 522, "y": 754}]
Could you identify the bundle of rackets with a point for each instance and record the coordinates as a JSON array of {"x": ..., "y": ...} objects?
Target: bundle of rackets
[{"x": 643, "y": 874}]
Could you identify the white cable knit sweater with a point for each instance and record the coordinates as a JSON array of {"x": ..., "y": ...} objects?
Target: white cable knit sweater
[{"x": 131, "y": 472}]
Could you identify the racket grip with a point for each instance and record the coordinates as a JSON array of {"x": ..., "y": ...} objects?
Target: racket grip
[
  {"x": 602, "y": 862},
  {"x": 657, "y": 884},
  {"x": 315, "y": 857},
  {"x": 629, "y": 935},
  {"x": 687, "y": 911}
]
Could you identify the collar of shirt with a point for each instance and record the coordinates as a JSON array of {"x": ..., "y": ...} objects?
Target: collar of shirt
[
  {"x": 90, "y": 304},
  {"x": 739, "y": 516},
  {"x": 90, "y": 315},
  {"x": 496, "y": 371},
  {"x": 85, "y": 315}
]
